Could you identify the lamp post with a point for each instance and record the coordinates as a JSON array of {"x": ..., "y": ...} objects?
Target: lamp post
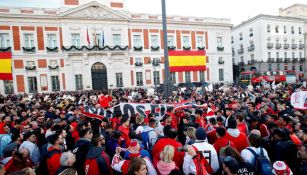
[{"x": 168, "y": 86}]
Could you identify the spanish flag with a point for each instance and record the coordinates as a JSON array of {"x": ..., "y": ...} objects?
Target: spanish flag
[
  {"x": 6, "y": 66},
  {"x": 180, "y": 61}
]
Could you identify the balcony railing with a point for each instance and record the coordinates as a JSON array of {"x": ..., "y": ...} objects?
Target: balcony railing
[
  {"x": 52, "y": 49},
  {"x": 221, "y": 61},
  {"x": 30, "y": 67},
  {"x": 241, "y": 63},
  {"x": 269, "y": 45},
  {"x": 156, "y": 62},
  {"x": 271, "y": 60},
  {"x": 251, "y": 47},
  {"x": 286, "y": 46},
  {"x": 74, "y": 48},
  {"x": 155, "y": 48},
  {"x": 301, "y": 46},
  {"x": 138, "y": 64},
  {"x": 240, "y": 51},
  {"x": 278, "y": 60},
  {"x": 302, "y": 59},
  {"x": 53, "y": 67},
  {"x": 294, "y": 60},
  {"x": 28, "y": 49},
  {"x": 220, "y": 48},
  {"x": 252, "y": 62},
  {"x": 278, "y": 46},
  {"x": 5, "y": 49},
  {"x": 294, "y": 46},
  {"x": 287, "y": 60},
  {"x": 138, "y": 48}
]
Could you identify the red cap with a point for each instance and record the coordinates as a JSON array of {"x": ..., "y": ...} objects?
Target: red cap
[{"x": 133, "y": 143}]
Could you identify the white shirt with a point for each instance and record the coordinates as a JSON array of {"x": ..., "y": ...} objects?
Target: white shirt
[{"x": 249, "y": 157}]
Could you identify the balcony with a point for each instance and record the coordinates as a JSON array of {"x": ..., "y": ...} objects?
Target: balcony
[
  {"x": 294, "y": 60},
  {"x": 138, "y": 64},
  {"x": 52, "y": 49},
  {"x": 269, "y": 45},
  {"x": 221, "y": 61},
  {"x": 155, "y": 48},
  {"x": 201, "y": 48},
  {"x": 186, "y": 47},
  {"x": 28, "y": 49},
  {"x": 294, "y": 46},
  {"x": 302, "y": 59},
  {"x": 171, "y": 47},
  {"x": 30, "y": 67},
  {"x": 74, "y": 48},
  {"x": 279, "y": 60},
  {"x": 5, "y": 49},
  {"x": 286, "y": 46},
  {"x": 301, "y": 46},
  {"x": 251, "y": 47},
  {"x": 240, "y": 51},
  {"x": 278, "y": 46},
  {"x": 137, "y": 48},
  {"x": 271, "y": 60},
  {"x": 220, "y": 48},
  {"x": 241, "y": 63},
  {"x": 287, "y": 60},
  {"x": 252, "y": 62},
  {"x": 53, "y": 67}
]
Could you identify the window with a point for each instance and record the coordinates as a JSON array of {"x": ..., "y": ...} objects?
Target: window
[
  {"x": 4, "y": 40},
  {"x": 51, "y": 40},
  {"x": 251, "y": 32},
  {"x": 173, "y": 77},
  {"x": 200, "y": 41},
  {"x": 292, "y": 30},
  {"x": 55, "y": 83},
  {"x": 278, "y": 66},
  {"x": 269, "y": 54},
  {"x": 170, "y": 41},
  {"x": 75, "y": 39},
  {"x": 119, "y": 79},
  {"x": 30, "y": 63},
  {"x": 221, "y": 74},
  {"x": 53, "y": 63},
  {"x": 220, "y": 59},
  {"x": 154, "y": 40},
  {"x": 97, "y": 39},
  {"x": 293, "y": 66},
  {"x": 117, "y": 40},
  {"x": 219, "y": 41},
  {"x": 268, "y": 28},
  {"x": 241, "y": 36},
  {"x": 138, "y": 60},
  {"x": 301, "y": 55},
  {"x": 293, "y": 41},
  {"x": 186, "y": 41},
  {"x": 293, "y": 54},
  {"x": 252, "y": 57},
  {"x": 156, "y": 76},
  {"x": 79, "y": 82},
  {"x": 285, "y": 54},
  {"x": 32, "y": 83},
  {"x": 301, "y": 67},
  {"x": 242, "y": 59},
  {"x": 139, "y": 78},
  {"x": 299, "y": 30},
  {"x": 8, "y": 86},
  {"x": 137, "y": 40},
  {"x": 285, "y": 29},
  {"x": 29, "y": 40},
  {"x": 231, "y": 39},
  {"x": 285, "y": 40},
  {"x": 277, "y": 54},
  {"x": 276, "y": 29},
  {"x": 187, "y": 76},
  {"x": 202, "y": 76},
  {"x": 270, "y": 67}
]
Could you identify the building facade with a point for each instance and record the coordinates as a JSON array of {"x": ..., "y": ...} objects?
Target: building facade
[
  {"x": 269, "y": 43},
  {"x": 86, "y": 45}
]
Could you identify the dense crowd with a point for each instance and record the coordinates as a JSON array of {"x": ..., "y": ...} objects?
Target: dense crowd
[{"x": 231, "y": 130}]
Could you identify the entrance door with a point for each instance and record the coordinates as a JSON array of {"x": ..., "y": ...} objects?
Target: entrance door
[{"x": 99, "y": 77}]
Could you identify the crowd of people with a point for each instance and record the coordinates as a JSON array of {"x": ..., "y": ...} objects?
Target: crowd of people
[{"x": 231, "y": 130}]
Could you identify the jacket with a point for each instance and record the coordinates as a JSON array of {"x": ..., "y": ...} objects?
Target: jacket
[
  {"x": 33, "y": 149},
  {"x": 81, "y": 149},
  {"x": 96, "y": 155},
  {"x": 188, "y": 163},
  {"x": 222, "y": 142},
  {"x": 53, "y": 160},
  {"x": 239, "y": 139}
]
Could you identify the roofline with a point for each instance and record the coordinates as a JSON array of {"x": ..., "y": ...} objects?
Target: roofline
[
  {"x": 266, "y": 16},
  {"x": 296, "y": 4}
]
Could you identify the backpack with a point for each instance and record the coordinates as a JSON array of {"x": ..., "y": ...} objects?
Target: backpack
[
  {"x": 145, "y": 139},
  {"x": 203, "y": 167},
  {"x": 43, "y": 167},
  {"x": 262, "y": 164}
]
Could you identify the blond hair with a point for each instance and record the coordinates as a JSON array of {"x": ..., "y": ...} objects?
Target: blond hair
[
  {"x": 191, "y": 132},
  {"x": 167, "y": 154}
]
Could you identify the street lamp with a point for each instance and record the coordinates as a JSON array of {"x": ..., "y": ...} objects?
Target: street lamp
[{"x": 168, "y": 85}]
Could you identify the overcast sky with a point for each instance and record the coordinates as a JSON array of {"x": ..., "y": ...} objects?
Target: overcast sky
[{"x": 236, "y": 10}]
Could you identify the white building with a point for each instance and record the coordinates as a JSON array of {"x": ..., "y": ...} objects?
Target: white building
[
  {"x": 269, "y": 43},
  {"x": 51, "y": 51}
]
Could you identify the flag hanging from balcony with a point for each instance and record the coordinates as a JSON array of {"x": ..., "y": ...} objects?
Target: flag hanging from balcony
[
  {"x": 180, "y": 61},
  {"x": 6, "y": 66}
]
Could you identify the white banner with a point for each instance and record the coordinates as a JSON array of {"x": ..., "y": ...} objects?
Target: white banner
[{"x": 299, "y": 100}]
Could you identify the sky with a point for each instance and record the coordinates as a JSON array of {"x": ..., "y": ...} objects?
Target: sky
[{"x": 235, "y": 10}]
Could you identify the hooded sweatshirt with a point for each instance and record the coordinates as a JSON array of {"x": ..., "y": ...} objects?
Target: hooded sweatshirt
[
  {"x": 239, "y": 139},
  {"x": 165, "y": 168},
  {"x": 97, "y": 162}
]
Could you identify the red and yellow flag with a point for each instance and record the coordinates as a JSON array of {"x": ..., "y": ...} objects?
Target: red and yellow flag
[
  {"x": 6, "y": 66},
  {"x": 180, "y": 61}
]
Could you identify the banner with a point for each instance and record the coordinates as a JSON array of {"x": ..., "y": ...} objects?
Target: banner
[
  {"x": 180, "y": 61},
  {"x": 299, "y": 100},
  {"x": 6, "y": 66}
]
